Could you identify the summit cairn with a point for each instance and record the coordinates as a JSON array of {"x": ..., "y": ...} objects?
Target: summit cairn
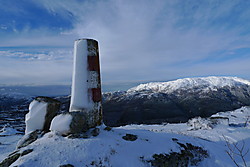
[
  {"x": 85, "y": 107},
  {"x": 86, "y": 83}
]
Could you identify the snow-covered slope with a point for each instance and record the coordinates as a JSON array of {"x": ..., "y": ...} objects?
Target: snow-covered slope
[
  {"x": 110, "y": 149},
  {"x": 191, "y": 83}
]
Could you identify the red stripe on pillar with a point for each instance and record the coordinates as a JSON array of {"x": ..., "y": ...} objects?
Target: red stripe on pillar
[
  {"x": 96, "y": 94},
  {"x": 93, "y": 63}
]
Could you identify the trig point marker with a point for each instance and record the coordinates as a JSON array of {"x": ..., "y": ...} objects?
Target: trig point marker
[{"x": 86, "y": 83}]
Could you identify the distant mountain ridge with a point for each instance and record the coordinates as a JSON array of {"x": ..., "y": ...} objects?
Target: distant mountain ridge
[
  {"x": 191, "y": 83},
  {"x": 176, "y": 101},
  {"x": 154, "y": 102}
]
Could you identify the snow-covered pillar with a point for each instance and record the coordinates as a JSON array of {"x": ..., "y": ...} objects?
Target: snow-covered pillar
[{"x": 86, "y": 83}]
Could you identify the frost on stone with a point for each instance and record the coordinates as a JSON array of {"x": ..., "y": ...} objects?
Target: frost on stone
[
  {"x": 61, "y": 124},
  {"x": 35, "y": 119},
  {"x": 28, "y": 139}
]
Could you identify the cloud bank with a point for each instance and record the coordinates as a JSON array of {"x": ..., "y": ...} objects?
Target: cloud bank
[
  {"x": 36, "y": 66},
  {"x": 154, "y": 40}
]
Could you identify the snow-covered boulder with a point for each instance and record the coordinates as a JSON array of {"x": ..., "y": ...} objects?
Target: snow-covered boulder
[
  {"x": 70, "y": 123},
  {"x": 61, "y": 124},
  {"x": 41, "y": 112}
]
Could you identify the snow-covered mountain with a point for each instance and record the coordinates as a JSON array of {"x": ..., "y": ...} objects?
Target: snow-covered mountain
[
  {"x": 176, "y": 101},
  {"x": 194, "y": 84}
]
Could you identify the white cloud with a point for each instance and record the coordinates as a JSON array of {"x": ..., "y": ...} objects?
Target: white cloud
[
  {"x": 140, "y": 40},
  {"x": 150, "y": 40},
  {"x": 51, "y": 67},
  {"x": 38, "y": 54}
]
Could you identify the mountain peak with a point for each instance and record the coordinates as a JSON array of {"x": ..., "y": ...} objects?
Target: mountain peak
[{"x": 190, "y": 83}]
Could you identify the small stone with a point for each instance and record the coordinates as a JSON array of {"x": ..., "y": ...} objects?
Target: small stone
[
  {"x": 67, "y": 165},
  {"x": 174, "y": 139},
  {"x": 130, "y": 137},
  {"x": 25, "y": 152},
  {"x": 95, "y": 132},
  {"x": 108, "y": 128},
  {"x": 78, "y": 135}
]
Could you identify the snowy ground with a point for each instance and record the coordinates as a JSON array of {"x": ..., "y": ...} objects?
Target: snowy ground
[
  {"x": 110, "y": 149},
  {"x": 8, "y": 140}
]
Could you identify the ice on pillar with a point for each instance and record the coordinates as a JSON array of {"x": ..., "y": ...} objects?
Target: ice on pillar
[
  {"x": 79, "y": 92},
  {"x": 86, "y": 84}
]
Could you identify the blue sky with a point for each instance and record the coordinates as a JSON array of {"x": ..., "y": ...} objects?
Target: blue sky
[{"x": 140, "y": 40}]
